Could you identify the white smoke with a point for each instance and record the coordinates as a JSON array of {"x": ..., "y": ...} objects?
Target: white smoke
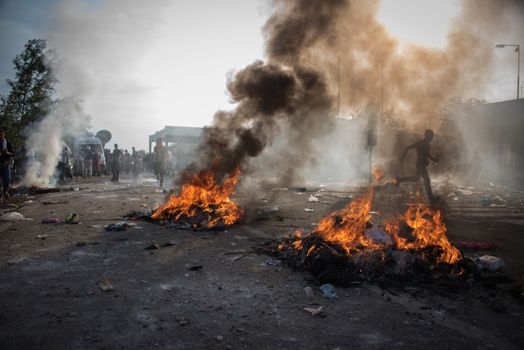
[{"x": 46, "y": 140}]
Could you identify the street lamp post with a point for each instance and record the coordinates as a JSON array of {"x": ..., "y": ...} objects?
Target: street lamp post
[{"x": 517, "y": 50}]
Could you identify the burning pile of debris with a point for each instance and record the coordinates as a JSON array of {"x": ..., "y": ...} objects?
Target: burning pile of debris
[
  {"x": 346, "y": 247},
  {"x": 201, "y": 204}
]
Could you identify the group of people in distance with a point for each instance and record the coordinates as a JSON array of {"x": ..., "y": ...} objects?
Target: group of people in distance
[
  {"x": 89, "y": 164},
  {"x": 160, "y": 160}
]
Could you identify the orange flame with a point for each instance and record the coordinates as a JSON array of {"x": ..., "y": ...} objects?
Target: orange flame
[
  {"x": 378, "y": 174},
  {"x": 347, "y": 226},
  {"x": 428, "y": 230},
  {"x": 202, "y": 193}
]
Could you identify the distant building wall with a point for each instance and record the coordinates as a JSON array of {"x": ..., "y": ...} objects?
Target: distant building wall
[{"x": 494, "y": 137}]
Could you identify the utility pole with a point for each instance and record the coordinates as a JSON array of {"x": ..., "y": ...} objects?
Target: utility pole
[
  {"x": 338, "y": 100},
  {"x": 372, "y": 124}
]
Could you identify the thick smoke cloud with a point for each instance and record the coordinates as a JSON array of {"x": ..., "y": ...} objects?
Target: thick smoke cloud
[
  {"x": 282, "y": 93},
  {"x": 266, "y": 94},
  {"x": 315, "y": 46}
]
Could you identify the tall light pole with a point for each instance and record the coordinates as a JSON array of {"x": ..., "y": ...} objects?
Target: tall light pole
[{"x": 517, "y": 50}]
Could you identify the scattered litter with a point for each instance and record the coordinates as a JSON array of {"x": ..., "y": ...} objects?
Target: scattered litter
[
  {"x": 309, "y": 293},
  {"x": 466, "y": 192},
  {"x": 52, "y": 220},
  {"x": 80, "y": 244},
  {"x": 378, "y": 234},
  {"x": 106, "y": 286},
  {"x": 72, "y": 218},
  {"x": 95, "y": 226},
  {"x": 43, "y": 237},
  {"x": 498, "y": 205},
  {"x": 494, "y": 202},
  {"x": 139, "y": 215},
  {"x": 314, "y": 310},
  {"x": 182, "y": 322},
  {"x": 13, "y": 216},
  {"x": 119, "y": 226},
  {"x": 196, "y": 268},
  {"x": 273, "y": 262},
  {"x": 374, "y": 212},
  {"x": 490, "y": 262},
  {"x": 168, "y": 244},
  {"x": 328, "y": 291},
  {"x": 220, "y": 338},
  {"x": 166, "y": 286},
  {"x": 153, "y": 246},
  {"x": 312, "y": 198},
  {"x": 309, "y": 210}
]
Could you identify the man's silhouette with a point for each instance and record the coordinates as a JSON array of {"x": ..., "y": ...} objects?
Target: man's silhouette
[{"x": 423, "y": 157}]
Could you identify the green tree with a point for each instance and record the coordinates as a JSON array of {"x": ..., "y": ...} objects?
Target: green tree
[{"x": 31, "y": 91}]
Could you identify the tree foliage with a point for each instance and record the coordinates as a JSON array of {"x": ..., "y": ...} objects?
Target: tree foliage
[{"x": 31, "y": 91}]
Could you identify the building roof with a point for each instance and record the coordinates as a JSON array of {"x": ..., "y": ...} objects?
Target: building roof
[{"x": 182, "y": 134}]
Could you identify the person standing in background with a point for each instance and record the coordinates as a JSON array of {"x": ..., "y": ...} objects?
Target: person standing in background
[
  {"x": 160, "y": 160},
  {"x": 6, "y": 154},
  {"x": 115, "y": 163}
]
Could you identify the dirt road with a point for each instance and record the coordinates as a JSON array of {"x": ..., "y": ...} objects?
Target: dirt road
[{"x": 207, "y": 290}]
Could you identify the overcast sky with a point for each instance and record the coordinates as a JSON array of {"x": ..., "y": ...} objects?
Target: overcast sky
[{"x": 141, "y": 65}]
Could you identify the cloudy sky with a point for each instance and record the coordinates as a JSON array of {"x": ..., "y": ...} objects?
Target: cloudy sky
[{"x": 140, "y": 65}]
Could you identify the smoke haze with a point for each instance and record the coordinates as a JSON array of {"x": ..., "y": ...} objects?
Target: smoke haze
[
  {"x": 323, "y": 58},
  {"x": 313, "y": 46}
]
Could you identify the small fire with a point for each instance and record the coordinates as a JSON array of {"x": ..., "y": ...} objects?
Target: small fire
[{"x": 202, "y": 195}]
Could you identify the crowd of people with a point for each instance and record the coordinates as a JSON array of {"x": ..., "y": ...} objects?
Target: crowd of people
[
  {"x": 136, "y": 162},
  {"x": 116, "y": 162},
  {"x": 88, "y": 162}
]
